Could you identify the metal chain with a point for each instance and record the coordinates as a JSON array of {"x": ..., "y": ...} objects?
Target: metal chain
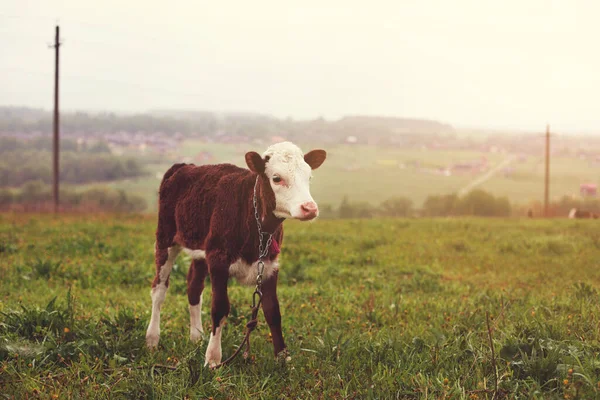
[{"x": 263, "y": 249}]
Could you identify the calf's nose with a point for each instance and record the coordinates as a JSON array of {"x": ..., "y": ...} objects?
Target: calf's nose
[{"x": 309, "y": 209}]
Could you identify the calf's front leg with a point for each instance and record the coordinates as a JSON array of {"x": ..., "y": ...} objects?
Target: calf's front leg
[
  {"x": 270, "y": 305},
  {"x": 219, "y": 275}
]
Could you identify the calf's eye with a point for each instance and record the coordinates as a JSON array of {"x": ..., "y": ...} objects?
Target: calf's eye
[{"x": 276, "y": 179}]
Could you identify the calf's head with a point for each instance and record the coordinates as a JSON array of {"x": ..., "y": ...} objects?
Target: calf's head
[{"x": 288, "y": 172}]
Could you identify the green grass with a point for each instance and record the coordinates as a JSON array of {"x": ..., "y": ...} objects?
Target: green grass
[{"x": 371, "y": 309}]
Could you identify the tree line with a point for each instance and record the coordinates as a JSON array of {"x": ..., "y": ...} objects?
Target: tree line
[
  {"x": 475, "y": 203},
  {"x": 23, "y": 161},
  {"x": 37, "y": 196},
  {"x": 13, "y": 144}
]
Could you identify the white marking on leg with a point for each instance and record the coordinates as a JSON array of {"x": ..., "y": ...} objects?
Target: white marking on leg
[
  {"x": 158, "y": 293},
  {"x": 195, "y": 254},
  {"x": 196, "y": 330},
  {"x": 213, "y": 351},
  {"x": 246, "y": 274},
  {"x": 158, "y": 297}
]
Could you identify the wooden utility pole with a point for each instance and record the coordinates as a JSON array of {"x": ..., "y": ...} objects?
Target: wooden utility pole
[
  {"x": 547, "y": 177},
  {"x": 56, "y": 147}
]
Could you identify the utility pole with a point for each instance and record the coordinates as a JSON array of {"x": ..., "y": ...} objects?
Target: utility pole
[
  {"x": 56, "y": 147},
  {"x": 547, "y": 177}
]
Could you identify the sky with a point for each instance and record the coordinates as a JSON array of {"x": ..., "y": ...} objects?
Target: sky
[{"x": 510, "y": 64}]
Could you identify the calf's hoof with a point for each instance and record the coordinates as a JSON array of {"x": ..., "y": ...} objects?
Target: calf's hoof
[
  {"x": 283, "y": 355},
  {"x": 152, "y": 340},
  {"x": 196, "y": 335},
  {"x": 213, "y": 357}
]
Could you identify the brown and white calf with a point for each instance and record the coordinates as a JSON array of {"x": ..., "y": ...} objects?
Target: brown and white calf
[{"x": 208, "y": 211}]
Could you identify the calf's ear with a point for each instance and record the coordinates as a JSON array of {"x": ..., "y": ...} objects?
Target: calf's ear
[
  {"x": 315, "y": 158},
  {"x": 255, "y": 162}
]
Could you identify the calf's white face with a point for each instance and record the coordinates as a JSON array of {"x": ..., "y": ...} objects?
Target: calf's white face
[{"x": 289, "y": 173}]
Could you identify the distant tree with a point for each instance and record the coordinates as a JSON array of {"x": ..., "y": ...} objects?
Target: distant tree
[
  {"x": 345, "y": 210},
  {"x": 136, "y": 203},
  {"x": 326, "y": 211},
  {"x": 355, "y": 210},
  {"x": 363, "y": 210},
  {"x": 111, "y": 200},
  {"x": 440, "y": 205},
  {"x": 6, "y": 198},
  {"x": 98, "y": 147},
  {"x": 35, "y": 192},
  {"x": 396, "y": 207},
  {"x": 21, "y": 166},
  {"x": 503, "y": 207},
  {"x": 477, "y": 202}
]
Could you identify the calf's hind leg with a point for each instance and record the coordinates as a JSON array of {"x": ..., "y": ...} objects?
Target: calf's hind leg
[
  {"x": 164, "y": 264},
  {"x": 195, "y": 281}
]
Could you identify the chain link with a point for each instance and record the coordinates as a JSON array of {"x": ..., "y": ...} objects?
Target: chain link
[{"x": 263, "y": 248}]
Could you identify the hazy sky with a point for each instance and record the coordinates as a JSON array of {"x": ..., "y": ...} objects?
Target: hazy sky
[{"x": 504, "y": 64}]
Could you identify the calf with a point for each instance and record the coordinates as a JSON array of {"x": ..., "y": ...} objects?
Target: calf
[{"x": 214, "y": 213}]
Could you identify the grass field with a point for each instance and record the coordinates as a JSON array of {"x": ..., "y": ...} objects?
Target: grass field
[
  {"x": 371, "y": 309},
  {"x": 375, "y": 174}
]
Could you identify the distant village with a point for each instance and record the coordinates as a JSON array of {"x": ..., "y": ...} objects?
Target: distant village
[{"x": 520, "y": 148}]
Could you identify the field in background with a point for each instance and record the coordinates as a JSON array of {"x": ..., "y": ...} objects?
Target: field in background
[
  {"x": 371, "y": 309},
  {"x": 527, "y": 181},
  {"x": 374, "y": 174}
]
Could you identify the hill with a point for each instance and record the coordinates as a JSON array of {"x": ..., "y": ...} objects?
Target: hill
[{"x": 216, "y": 126}]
